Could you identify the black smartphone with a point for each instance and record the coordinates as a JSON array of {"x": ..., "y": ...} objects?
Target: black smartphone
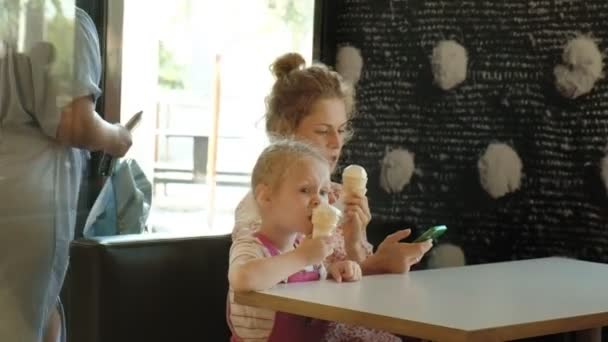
[
  {"x": 432, "y": 233},
  {"x": 107, "y": 162}
]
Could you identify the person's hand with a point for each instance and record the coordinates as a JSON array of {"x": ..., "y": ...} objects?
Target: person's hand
[
  {"x": 122, "y": 141},
  {"x": 346, "y": 270},
  {"x": 315, "y": 250},
  {"x": 335, "y": 192},
  {"x": 356, "y": 218},
  {"x": 393, "y": 256}
]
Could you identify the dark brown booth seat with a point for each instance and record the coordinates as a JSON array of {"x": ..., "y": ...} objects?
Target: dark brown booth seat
[{"x": 148, "y": 288}]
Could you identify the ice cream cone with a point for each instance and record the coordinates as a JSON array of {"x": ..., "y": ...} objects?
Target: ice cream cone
[
  {"x": 325, "y": 218},
  {"x": 319, "y": 230},
  {"x": 354, "y": 180}
]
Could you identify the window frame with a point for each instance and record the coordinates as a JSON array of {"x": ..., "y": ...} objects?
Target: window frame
[{"x": 108, "y": 16}]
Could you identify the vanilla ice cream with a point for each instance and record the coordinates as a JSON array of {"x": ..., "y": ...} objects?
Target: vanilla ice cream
[
  {"x": 354, "y": 180},
  {"x": 325, "y": 218}
]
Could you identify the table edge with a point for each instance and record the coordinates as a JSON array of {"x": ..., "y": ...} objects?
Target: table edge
[
  {"x": 420, "y": 329},
  {"x": 328, "y": 312}
]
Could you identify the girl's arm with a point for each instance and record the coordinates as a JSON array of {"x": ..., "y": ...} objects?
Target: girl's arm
[
  {"x": 256, "y": 274},
  {"x": 345, "y": 270},
  {"x": 264, "y": 273}
]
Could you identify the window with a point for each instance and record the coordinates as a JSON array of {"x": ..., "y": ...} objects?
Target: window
[
  {"x": 28, "y": 24},
  {"x": 200, "y": 71}
]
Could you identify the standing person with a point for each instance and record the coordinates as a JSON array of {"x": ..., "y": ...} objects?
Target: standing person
[
  {"x": 41, "y": 160},
  {"x": 315, "y": 105}
]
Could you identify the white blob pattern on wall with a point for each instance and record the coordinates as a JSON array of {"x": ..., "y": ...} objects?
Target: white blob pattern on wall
[
  {"x": 446, "y": 255},
  {"x": 500, "y": 170},
  {"x": 449, "y": 64},
  {"x": 581, "y": 67},
  {"x": 397, "y": 168},
  {"x": 349, "y": 63}
]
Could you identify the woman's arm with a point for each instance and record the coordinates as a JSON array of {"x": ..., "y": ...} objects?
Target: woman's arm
[
  {"x": 80, "y": 126},
  {"x": 374, "y": 265},
  {"x": 246, "y": 217},
  {"x": 393, "y": 256},
  {"x": 354, "y": 227},
  {"x": 357, "y": 252}
]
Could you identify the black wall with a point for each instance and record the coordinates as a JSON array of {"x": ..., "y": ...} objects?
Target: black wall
[{"x": 561, "y": 208}]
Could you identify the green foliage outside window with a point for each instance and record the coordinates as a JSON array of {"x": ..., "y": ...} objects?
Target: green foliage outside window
[
  {"x": 170, "y": 74},
  {"x": 295, "y": 14},
  {"x": 9, "y": 18}
]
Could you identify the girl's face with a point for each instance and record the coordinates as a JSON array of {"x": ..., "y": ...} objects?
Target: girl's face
[
  {"x": 304, "y": 186},
  {"x": 325, "y": 127}
]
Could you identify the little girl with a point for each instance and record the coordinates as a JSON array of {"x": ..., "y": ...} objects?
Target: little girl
[{"x": 288, "y": 181}]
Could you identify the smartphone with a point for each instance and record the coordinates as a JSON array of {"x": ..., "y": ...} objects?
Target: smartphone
[
  {"x": 135, "y": 119},
  {"x": 432, "y": 233}
]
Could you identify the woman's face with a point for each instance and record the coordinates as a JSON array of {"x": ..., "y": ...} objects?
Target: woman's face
[{"x": 325, "y": 127}]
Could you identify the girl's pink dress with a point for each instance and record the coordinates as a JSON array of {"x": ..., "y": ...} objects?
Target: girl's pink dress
[
  {"x": 247, "y": 221},
  {"x": 289, "y": 327}
]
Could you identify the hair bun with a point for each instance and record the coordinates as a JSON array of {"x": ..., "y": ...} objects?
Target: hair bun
[{"x": 287, "y": 63}]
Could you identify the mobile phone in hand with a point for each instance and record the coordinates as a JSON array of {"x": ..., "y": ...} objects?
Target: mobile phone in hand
[
  {"x": 106, "y": 164},
  {"x": 432, "y": 233},
  {"x": 134, "y": 120}
]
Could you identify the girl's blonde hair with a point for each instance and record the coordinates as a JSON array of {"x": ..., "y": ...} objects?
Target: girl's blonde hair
[
  {"x": 276, "y": 159},
  {"x": 296, "y": 90}
]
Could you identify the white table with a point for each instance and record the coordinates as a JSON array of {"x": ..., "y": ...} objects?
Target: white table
[{"x": 491, "y": 302}]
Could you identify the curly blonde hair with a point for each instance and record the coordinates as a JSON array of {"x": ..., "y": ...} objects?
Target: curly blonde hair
[
  {"x": 275, "y": 160},
  {"x": 297, "y": 88}
]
